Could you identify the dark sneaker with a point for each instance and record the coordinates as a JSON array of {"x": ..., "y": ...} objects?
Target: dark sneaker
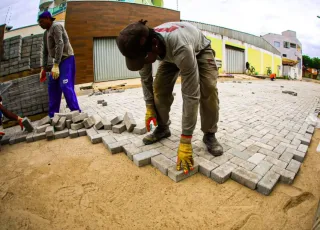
[
  {"x": 158, "y": 134},
  {"x": 214, "y": 147}
]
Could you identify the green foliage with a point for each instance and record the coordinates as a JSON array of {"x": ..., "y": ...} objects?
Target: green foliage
[{"x": 311, "y": 62}]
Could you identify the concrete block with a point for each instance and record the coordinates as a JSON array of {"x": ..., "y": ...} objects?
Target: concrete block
[
  {"x": 242, "y": 163},
  {"x": 49, "y": 131},
  {"x": 41, "y": 129},
  {"x": 177, "y": 176},
  {"x": 279, "y": 149},
  {"x": 95, "y": 139},
  {"x": 61, "y": 134},
  {"x": 68, "y": 123},
  {"x": 39, "y": 136},
  {"x": 310, "y": 129},
  {"x": 267, "y": 183},
  {"x": 79, "y": 118},
  {"x": 73, "y": 133},
  {"x": 88, "y": 122},
  {"x": 116, "y": 120},
  {"x": 262, "y": 168},
  {"x": 276, "y": 162},
  {"x": 205, "y": 166},
  {"x": 297, "y": 155},
  {"x": 120, "y": 128},
  {"x": 44, "y": 121},
  {"x": 144, "y": 158},
  {"x": 61, "y": 124},
  {"x": 82, "y": 132},
  {"x": 91, "y": 132},
  {"x": 108, "y": 140},
  {"x": 286, "y": 176},
  {"x": 131, "y": 150},
  {"x": 256, "y": 158},
  {"x": 100, "y": 101},
  {"x": 104, "y": 103},
  {"x": 286, "y": 157},
  {"x": 129, "y": 121},
  {"x": 204, "y": 154},
  {"x": 152, "y": 146},
  {"x": 162, "y": 163},
  {"x": 55, "y": 120},
  {"x": 237, "y": 153},
  {"x": 140, "y": 129},
  {"x": 294, "y": 166},
  {"x": 27, "y": 125},
  {"x": 167, "y": 152},
  {"x": 99, "y": 125},
  {"x": 5, "y": 139},
  {"x": 117, "y": 147},
  {"x": 77, "y": 126},
  {"x": 29, "y": 137},
  {"x": 106, "y": 124},
  {"x": 303, "y": 148},
  {"x": 223, "y": 172},
  {"x": 220, "y": 160},
  {"x": 245, "y": 177}
]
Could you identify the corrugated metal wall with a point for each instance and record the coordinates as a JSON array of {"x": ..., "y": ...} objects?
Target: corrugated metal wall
[
  {"x": 109, "y": 63},
  {"x": 235, "y": 60}
]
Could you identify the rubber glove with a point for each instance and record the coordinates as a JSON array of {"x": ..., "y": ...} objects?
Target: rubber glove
[
  {"x": 55, "y": 71},
  {"x": 185, "y": 154},
  {"x": 43, "y": 76},
  {"x": 151, "y": 115}
]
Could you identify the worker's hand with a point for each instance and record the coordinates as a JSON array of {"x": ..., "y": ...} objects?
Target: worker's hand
[
  {"x": 55, "y": 71},
  {"x": 20, "y": 122},
  {"x": 43, "y": 76},
  {"x": 151, "y": 115},
  {"x": 184, "y": 157}
]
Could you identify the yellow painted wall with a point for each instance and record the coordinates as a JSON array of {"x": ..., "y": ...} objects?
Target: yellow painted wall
[
  {"x": 216, "y": 45},
  {"x": 60, "y": 17},
  {"x": 276, "y": 61},
  {"x": 234, "y": 44},
  {"x": 267, "y": 62},
  {"x": 254, "y": 59}
]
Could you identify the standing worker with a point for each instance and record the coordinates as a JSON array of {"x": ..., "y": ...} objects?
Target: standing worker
[
  {"x": 62, "y": 79},
  {"x": 182, "y": 48}
]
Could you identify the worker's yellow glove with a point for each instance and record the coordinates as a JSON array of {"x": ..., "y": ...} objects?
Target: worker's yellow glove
[
  {"x": 151, "y": 115},
  {"x": 55, "y": 71},
  {"x": 184, "y": 158}
]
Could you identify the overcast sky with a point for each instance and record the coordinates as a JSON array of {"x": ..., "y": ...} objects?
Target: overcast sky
[{"x": 257, "y": 17}]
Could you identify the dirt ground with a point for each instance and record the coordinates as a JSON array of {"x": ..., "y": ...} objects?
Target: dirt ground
[{"x": 72, "y": 184}]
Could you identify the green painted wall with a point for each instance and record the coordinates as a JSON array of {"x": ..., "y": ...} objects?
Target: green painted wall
[
  {"x": 267, "y": 62},
  {"x": 216, "y": 45},
  {"x": 254, "y": 59}
]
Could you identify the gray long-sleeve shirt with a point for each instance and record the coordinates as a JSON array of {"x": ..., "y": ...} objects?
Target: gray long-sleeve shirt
[{"x": 56, "y": 44}]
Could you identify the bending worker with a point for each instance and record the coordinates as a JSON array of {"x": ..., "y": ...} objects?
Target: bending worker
[
  {"x": 182, "y": 48},
  {"x": 11, "y": 116},
  {"x": 62, "y": 79}
]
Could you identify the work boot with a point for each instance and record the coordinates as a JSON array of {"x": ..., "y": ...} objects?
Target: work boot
[
  {"x": 159, "y": 133},
  {"x": 214, "y": 147}
]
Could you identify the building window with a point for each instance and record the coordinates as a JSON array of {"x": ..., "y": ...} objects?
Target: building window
[
  {"x": 276, "y": 44},
  {"x": 299, "y": 48},
  {"x": 284, "y": 55},
  {"x": 292, "y": 45},
  {"x": 286, "y": 44}
]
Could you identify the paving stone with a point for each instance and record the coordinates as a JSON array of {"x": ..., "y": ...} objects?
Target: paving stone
[
  {"x": 279, "y": 149},
  {"x": 286, "y": 157},
  {"x": 27, "y": 125},
  {"x": 68, "y": 123},
  {"x": 120, "y": 128},
  {"x": 91, "y": 132},
  {"x": 223, "y": 172},
  {"x": 144, "y": 158},
  {"x": 104, "y": 103},
  {"x": 296, "y": 143},
  {"x": 88, "y": 122},
  {"x": 100, "y": 101},
  {"x": 5, "y": 139},
  {"x": 267, "y": 183},
  {"x": 117, "y": 147},
  {"x": 130, "y": 150},
  {"x": 73, "y": 133},
  {"x": 116, "y": 120},
  {"x": 61, "y": 124},
  {"x": 265, "y": 146},
  {"x": 29, "y": 137},
  {"x": 242, "y": 155},
  {"x": 77, "y": 126},
  {"x": 152, "y": 146},
  {"x": 205, "y": 166},
  {"x": 245, "y": 177},
  {"x": 167, "y": 152},
  {"x": 108, "y": 140},
  {"x": 44, "y": 121},
  {"x": 55, "y": 120},
  {"x": 303, "y": 148},
  {"x": 72, "y": 114},
  {"x": 269, "y": 153},
  {"x": 61, "y": 134},
  {"x": 99, "y": 125},
  {"x": 162, "y": 163},
  {"x": 304, "y": 140},
  {"x": 310, "y": 129},
  {"x": 253, "y": 148},
  {"x": 39, "y": 136},
  {"x": 41, "y": 129},
  {"x": 106, "y": 124},
  {"x": 82, "y": 132},
  {"x": 129, "y": 121},
  {"x": 286, "y": 176},
  {"x": 140, "y": 129},
  {"x": 204, "y": 154},
  {"x": 79, "y": 118},
  {"x": 279, "y": 163},
  {"x": 178, "y": 176},
  {"x": 297, "y": 155},
  {"x": 242, "y": 163},
  {"x": 49, "y": 131},
  {"x": 294, "y": 166},
  {"x": 262, "y": 168},
  {"x": 95, "y": 139},
  {"x": 256, "y": 158},
  {"x": 220, "y": 160}
]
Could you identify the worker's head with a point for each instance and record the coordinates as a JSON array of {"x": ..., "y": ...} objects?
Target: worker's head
[
  {"x": 139, "y": 44},
  {"x": 45, "y": 20}
]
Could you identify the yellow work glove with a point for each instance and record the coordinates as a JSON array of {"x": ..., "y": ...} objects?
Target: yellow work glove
[
  {"x": 55, "y": 71},
  {"x": 184, "y": 158},
  {"x": 151, "y": 115}
]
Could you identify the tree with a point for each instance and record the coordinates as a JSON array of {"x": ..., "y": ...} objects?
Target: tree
[
  {"x": 316, "y": 63},
  {"x": 307, "y": 61}
]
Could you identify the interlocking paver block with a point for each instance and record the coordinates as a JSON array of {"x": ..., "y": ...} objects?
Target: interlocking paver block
[
  {"x": 120, "y": 128},
  {"x": 294, "y": 166},
  {"x": 68, "y": 123},
  {"x": 167, "y": 152},
  {"x": 242, "y": 155},
  {"x": 116, "y": 120},
  {"x": 303, "y": 148},
  {"x": 91, "y": 132},
  {"x": 256, "y": 158},
  {"x": 129, "y": 121},
  {"x": 39, "y": 136},
  {"x": 297, "y": 155},
  {"x": 279, "y": 163},
  {"x": 265, "y": 146},
  {"x": 117, "y": 147},
  {"x": 262, "y": 168},
  {"x": 267, "y": 183},
  {"x": 5, "y": 139},
  {"x": 77, "y": 126},
  {"x": 55, "y": 120},
  {"x": 140, "y": 129},
  {"x": 104, "y": 103},
  {"x": 286, "y": 157},
  {"x": 108, "y": 140},
  {"x": 99, "y": 125},
  {"x": 41, "y": 129},
  {"x": 286, "y": 176},
  {"x": 279, "y": 149},
  {"x": 130, "y": 150},
  {"x": 177, "y": 176},
  {"x": 310, "y": 129},
  {"x": 44, "y": 121},
  {"x": 61, "y": 134},
  {"x": 61, "y": 124},
  {"x": 269, "y": 153},
  {"x": 88, "y": 122},
  {"x": 162, "y": 163},
  {"x": 152, "y": 146},
  {"x": 27, "y": 125},
  {"x": 82, "y": 132},
  {"x": 204, "y": 154},
  {"x": 72, "y": 114},
  {"x": 245, "y": 177},
  {"x": 80, "y": 117},
  {"x": 106, "y": 124},
  {"x": 97, "y": 138},
  {"x": 242, "y": 163},
  {"x": 29, "y": 137},
  {"x": 205, "y": 166},
  {"x": 100, "y": 101},
  {"x": 73, "y": 133},
  {"x": 144, "y": 158},
  {"x": 49, "y": 131},
  {"x": 223, "y": 172},
  {"x": 220, "y": 160},
  {"x": 253, "y": 148}
]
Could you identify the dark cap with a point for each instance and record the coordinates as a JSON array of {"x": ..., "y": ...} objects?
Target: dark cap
[
  {"x": 132, "y": 42},
  {"x": 46, "y": 14}
]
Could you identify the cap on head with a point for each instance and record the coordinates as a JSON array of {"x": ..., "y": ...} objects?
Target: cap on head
[
  {"x": 46, "y": 14},
  {"x": 132, "y": 44}
]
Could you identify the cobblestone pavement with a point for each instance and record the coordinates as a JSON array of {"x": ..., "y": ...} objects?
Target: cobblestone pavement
[{"x": 263, "y": 131}]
